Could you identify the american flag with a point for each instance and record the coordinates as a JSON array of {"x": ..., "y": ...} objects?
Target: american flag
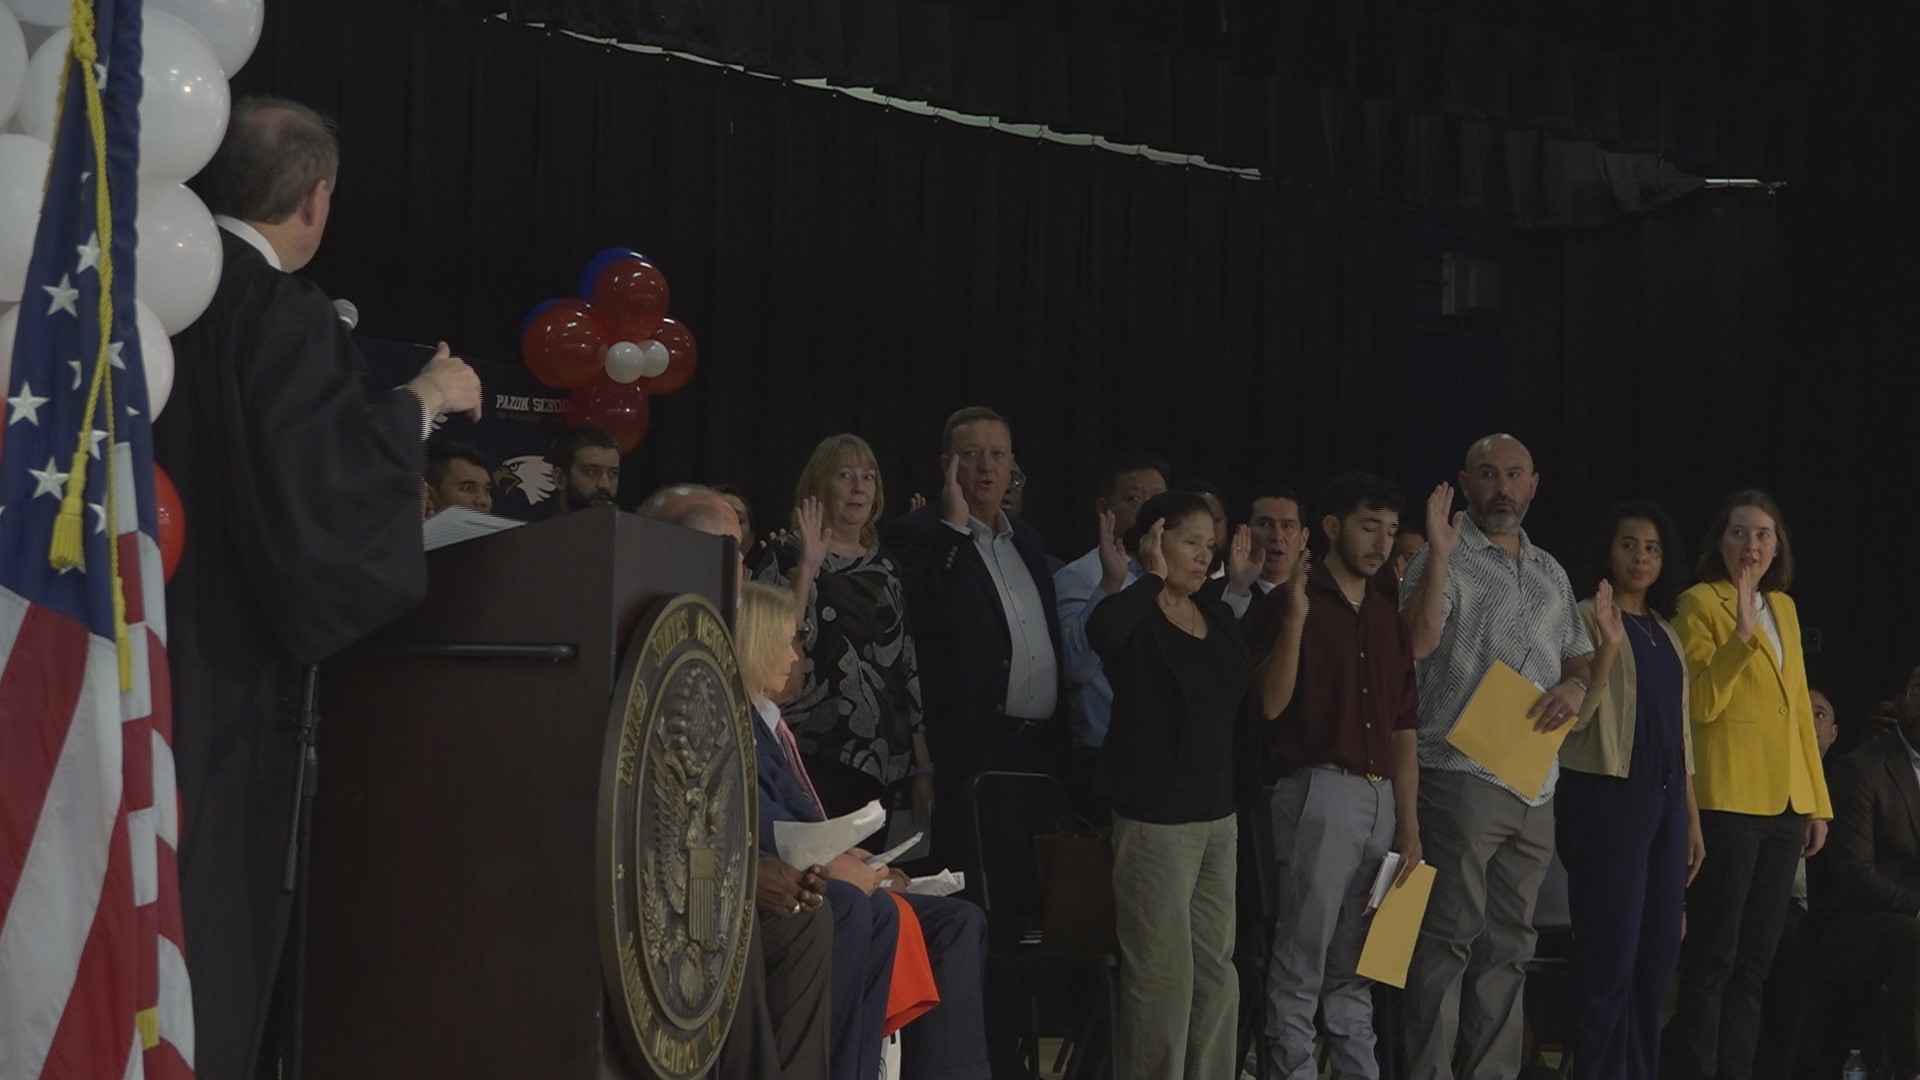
[{"x": 93, "y": 977}]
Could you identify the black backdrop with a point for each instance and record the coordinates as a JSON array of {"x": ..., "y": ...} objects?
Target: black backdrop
[{"x": 850, "y": 267}]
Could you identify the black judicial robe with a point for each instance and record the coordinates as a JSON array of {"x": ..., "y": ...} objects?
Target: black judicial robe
[{"x": 301, "y": 496}]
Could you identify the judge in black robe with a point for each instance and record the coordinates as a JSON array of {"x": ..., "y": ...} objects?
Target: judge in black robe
[{"x": 301, "y": 496}]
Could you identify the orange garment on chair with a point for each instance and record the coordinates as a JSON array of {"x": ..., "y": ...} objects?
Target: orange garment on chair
[{"x": 912, "y": 992}]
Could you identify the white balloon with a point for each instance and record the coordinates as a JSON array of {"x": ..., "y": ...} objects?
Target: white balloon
[
  {"x": 156, "y": 355},
  {"x": 183, "y": 106},
  {"x": 13, "y": 63},
  {"x": 42, "y": 12},
  {"x": 625, "y": 361},
  {"x": 23, "y": 174},
  {"x": 178, "y": 254},
  {"x": 232, "y": 27},
  {"x": 656, "y": 360}
]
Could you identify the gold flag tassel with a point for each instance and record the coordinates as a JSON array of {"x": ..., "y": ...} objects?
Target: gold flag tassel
[{"x": 65, "y": 551}]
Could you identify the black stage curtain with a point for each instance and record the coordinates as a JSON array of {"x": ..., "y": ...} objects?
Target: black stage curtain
[
  {"x": 851, "y": 268},
  {"x": 1736, "y": 340}
]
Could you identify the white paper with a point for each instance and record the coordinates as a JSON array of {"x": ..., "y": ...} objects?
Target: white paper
[
  {"x": 944, "y": 883},
  {"x": 807, "y": 844},
  {"x": 457, "y": 524},
  {"x": 887, "y": 857}
]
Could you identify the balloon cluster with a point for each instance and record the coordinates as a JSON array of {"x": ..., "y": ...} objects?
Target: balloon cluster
[
  {"x": 189, "y": 49},
  {"x": 613, "y": 346}
]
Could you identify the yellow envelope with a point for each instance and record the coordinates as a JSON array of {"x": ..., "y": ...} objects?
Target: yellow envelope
[
  {"x": 1494, "y": 731},
  {"x": 1396, "y": 926}
]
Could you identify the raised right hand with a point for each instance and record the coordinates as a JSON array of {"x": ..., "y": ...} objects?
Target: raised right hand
[
  {"x": 1152, "y": 559},
  {"x": 813, "y": 533},
  {"x": 447, "y": 385},
  {"x": 1613, "y": 628},
  {"x": 1747, "y": 589},
  {"x": 1113, "y": 556},
  {"x": 1443, "y": 523},
  {"x": 953, "y": 500},
  {"x": 1242, "y": 568}
]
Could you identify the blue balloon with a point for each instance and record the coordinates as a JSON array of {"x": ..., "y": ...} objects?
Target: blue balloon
[
  {"x": 533, "y": 314},
  {"x": 601, "y": 262}
]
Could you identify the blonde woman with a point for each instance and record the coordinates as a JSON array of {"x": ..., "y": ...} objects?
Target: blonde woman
[{"x": 857, "y": 712}]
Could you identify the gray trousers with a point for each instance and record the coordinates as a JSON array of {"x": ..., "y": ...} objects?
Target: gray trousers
[
  {"x": 1491, "y": 853},
  {"x": 1331, "y": 830},
  {"x": 1173, "y": 893}
]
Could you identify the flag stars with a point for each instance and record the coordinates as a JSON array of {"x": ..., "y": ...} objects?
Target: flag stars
[
  {"x": 25, "y": 406},
  {"x": 64, "y": 295},
  {"x": 75, "y": 365},
  {"x": 48, "y": 481},
  {"x": 89, "y": 254},
  {"x": 93, "y": 443},
  {"x": 113, "y": 354},
  {"x": 99, "y": 517}
]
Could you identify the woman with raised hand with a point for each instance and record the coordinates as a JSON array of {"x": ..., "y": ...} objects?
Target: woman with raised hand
[
  {"x": 1762, "y": 793},
  {"x": 857, "y": 714},
  {"x": 1178, "y": 757},
  {"x": 1627, "y": 827}
]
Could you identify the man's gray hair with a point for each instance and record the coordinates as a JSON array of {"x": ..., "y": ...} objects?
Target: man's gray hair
[
  {"x": 274, "y": 152},
  {"x": 673, "y": 504}
]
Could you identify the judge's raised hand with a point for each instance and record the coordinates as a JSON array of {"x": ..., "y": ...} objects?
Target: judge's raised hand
[
  {"x": 812, "y": 518},
  {"x": 1443, "y": 523},
  {"x": 1613, "y": 629},
  {"x": 1113, "y": 556},
  {"x": 447, "y": 385},
  {"x": 1152, "y": 559},
  {"x": 953, "y": 501},
  {"x": 1242, "y": 568},
  {"x": 1746, "y": 616}
]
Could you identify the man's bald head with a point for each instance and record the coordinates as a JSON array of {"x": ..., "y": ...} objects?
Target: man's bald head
[
  {"x": 1499, "y": 483},
  {"x": 693, "y": 506}
]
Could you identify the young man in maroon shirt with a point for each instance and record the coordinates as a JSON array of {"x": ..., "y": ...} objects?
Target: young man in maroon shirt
[{"x": 1347, "y": 796}]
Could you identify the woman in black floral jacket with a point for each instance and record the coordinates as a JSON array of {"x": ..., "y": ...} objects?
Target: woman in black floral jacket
[{"x": 858, "y": 713}]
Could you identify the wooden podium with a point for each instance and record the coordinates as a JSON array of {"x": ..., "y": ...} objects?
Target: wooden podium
[{"x": 452, "y": 924}]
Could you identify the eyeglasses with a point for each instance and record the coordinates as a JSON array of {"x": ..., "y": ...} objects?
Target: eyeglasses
[{"x": 1018, "y": 481}]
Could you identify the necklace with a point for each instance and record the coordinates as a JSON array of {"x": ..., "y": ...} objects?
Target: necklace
[{"x": 1638, "y": 623}]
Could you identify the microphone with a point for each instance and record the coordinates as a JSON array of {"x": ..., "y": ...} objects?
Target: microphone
[{"x": 348, "y": 313}]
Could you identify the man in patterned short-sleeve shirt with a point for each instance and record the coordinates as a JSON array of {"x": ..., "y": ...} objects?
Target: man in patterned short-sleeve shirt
[{"x": 1481, "y": 592}]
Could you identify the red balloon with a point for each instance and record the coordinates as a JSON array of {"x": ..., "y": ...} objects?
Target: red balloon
[
  {"x": 172, "y": 523},
  {"x": 683, "y": 356},
  {"x": 566, "y": 345},
  {"x": 620, "y": 410},
  {"x": 630, "y": 296}
]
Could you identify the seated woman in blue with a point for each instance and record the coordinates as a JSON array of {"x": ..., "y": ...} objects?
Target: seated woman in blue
[{"x": 948, "y": 1042}]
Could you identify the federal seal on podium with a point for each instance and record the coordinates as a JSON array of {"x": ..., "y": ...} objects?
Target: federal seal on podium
[{"x": 676, "y": 840}]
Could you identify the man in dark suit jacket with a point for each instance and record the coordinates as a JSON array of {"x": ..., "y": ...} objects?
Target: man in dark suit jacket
[
  {"x": 950, "y": 1040},
  {"x": 982, "y": 607},
  {"x": 1276, "y": 518},
  {"x": 1872, "y": 876}
]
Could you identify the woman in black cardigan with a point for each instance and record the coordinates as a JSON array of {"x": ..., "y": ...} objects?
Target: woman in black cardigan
[{"x": 1178, "y": 756}]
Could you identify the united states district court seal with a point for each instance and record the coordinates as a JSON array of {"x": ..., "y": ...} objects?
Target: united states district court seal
[{"x": 676, "y": 839}]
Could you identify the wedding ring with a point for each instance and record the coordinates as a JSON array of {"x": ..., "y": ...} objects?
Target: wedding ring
[{"x": 796, "y": 909}]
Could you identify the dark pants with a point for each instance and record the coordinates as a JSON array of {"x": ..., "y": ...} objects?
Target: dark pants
[
  {"x": 1624, "y": 844},
  {"x": 865, "y": 935},
  {"x": 1735, "y": 911},
  {"x": 998, "y": 748},
  {"x": 950, "y": 1041},
  {"x": 1883, "y": 945},
  {"x": 1083, "y": 768},
  {"x": 780, "y": 1028}
]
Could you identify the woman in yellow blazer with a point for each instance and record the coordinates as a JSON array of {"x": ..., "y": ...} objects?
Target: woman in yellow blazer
[
  {"x": 1763, "y": 797},
  {"x": 1624, "y": 816}
]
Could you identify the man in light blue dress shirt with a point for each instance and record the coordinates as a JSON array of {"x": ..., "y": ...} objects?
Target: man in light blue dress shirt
[{"x": 1128, "y": 481}]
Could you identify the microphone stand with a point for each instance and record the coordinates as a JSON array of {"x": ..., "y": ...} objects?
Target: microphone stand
[{"x": 295, "y": 877}]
